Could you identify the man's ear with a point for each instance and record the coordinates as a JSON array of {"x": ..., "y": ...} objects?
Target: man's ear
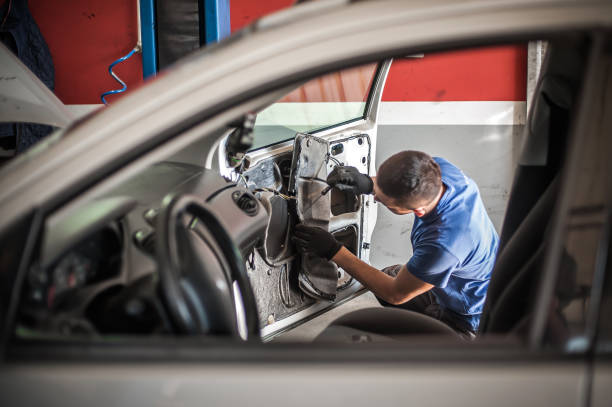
[{"x": 419, "y": 212}]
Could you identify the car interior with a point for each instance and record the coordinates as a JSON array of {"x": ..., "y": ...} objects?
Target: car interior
[{"x": 187, "y": 249}]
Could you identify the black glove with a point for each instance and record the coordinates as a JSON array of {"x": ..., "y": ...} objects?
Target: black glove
[
  {"x": 350, "y": 179},
  {"x": 316, "y": 240}
]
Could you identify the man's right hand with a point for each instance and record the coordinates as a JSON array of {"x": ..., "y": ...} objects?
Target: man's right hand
[{"x": 347, "y": 178}]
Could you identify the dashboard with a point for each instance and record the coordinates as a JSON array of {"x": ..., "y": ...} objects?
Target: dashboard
[
  {"x": 97, "y": 269},
  {"x": 96, "y": 259}
]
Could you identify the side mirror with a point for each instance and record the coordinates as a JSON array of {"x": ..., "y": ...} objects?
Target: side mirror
[{"x": 239, "y": 141}]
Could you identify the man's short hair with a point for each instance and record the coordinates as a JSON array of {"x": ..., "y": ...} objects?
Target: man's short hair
[{"x": 411, "y": 176}]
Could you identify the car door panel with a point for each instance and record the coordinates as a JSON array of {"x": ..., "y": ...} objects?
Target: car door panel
[
  {"x": 350, "y": 219},
  {"x": 280, "y": 301},
  {"x": 465, "y": 381}
]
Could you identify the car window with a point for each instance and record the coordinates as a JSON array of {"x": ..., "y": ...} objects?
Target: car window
[{"x": 323, "y": 102}]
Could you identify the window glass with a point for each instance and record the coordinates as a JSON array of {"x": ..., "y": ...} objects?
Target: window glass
[{"x": 326, "y": 101}]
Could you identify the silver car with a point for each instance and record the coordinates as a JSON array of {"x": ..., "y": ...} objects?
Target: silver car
[{"x": 146, "y": 255}]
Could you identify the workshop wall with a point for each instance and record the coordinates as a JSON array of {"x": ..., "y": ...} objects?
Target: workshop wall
[
  {"x": 490, "y": 73},
  {"x": 244, "y": 12},
  {"x": 85, "y": 37}
]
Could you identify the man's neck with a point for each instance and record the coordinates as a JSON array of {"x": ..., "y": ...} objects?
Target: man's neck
[{"x": 436, "y": 200}]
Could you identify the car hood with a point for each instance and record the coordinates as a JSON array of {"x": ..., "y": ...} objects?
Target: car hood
[{"x": 24, "y": 98}]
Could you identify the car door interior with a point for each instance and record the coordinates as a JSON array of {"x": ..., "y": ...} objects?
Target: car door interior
[
  {"x": 289, "y": 186},
  {"x": 317, "y": 276},
  {"x": 288, "y": 180}
]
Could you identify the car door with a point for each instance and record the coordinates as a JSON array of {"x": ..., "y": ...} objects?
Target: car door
[{"x": 337, "y": 111}]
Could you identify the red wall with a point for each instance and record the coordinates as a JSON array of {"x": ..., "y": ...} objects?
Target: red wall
[
  {"x": 243, "y": 12},
  {"x": 494, "y": 73},
  {"x": 86, "y": 36}
]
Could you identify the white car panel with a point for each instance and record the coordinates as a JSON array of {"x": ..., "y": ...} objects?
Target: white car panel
[{"x": 24, "y": 98}]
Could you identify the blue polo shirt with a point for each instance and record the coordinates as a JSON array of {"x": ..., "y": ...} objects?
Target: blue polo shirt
[{"x": 455, "y": 246}]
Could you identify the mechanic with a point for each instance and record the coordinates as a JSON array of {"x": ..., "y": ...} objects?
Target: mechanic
[{"x": 454, "y": 242}]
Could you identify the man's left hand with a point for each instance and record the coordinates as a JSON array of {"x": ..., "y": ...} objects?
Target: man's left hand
[{"x": 316, "y": 240}]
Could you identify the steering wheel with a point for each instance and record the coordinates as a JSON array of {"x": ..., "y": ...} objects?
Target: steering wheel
[{"x": 204, "y": 282}]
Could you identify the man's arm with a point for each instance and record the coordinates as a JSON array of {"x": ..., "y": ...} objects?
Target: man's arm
[
  {"x": 398, "y": 290},
  {"x": 394, "y": 290}
]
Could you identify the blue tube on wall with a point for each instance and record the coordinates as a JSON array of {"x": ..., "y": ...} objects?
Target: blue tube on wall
[
  {"x": 149, "y": 49},
  {"x": 217, "y": 20},
  {"x": 118, "y": 79}
]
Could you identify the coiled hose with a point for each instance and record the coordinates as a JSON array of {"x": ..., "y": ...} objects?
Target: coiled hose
[{"x": 110, "y": 70}]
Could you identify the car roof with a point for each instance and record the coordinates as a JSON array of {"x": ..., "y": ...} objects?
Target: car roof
[{"x": 271, "y": 53}]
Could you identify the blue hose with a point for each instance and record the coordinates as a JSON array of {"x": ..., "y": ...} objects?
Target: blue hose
[{"x": 110, "y": 70}]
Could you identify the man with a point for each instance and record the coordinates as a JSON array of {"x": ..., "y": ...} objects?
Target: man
[{"x": 454, "y": 242}]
